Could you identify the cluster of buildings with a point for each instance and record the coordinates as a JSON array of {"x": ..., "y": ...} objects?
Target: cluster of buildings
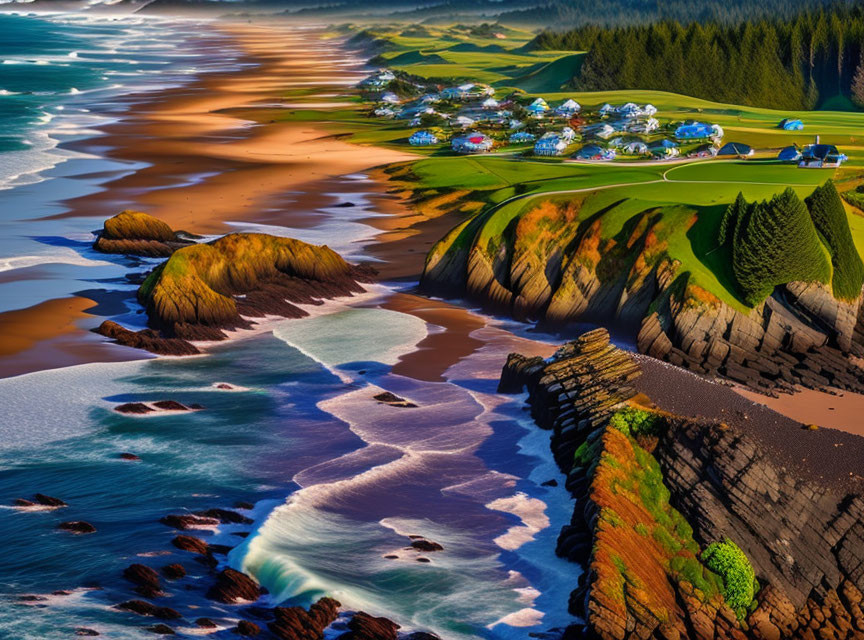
[{"x": 629, "y": 130}]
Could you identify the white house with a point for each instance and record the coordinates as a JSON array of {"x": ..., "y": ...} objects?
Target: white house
[
  {"x": 550, "y": 144},
  {"x": 568, "y": 108}
]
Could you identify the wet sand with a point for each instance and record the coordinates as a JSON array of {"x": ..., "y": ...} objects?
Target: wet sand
[
  {"x": 837, "y": 410},
  {"x": 204, "y": 166}
]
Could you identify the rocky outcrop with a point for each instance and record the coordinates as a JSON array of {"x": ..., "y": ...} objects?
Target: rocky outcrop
[
  {"x": 78, "y": 527},
  {"x": 140, "y": 234},
  {"x": 553, "y": 266},
  {"x": 647, "y": 503},
  {"x": 233, "y": 586},
  {"x": 204, "y": 289},
  {"x": 296, "y": 623}
]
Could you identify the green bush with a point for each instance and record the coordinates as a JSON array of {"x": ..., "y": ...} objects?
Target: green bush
[
  {"x": 636, "y": 422},
  {"x": 829, "y": 216},
  {"x": 739, "y": 580},
  {"x": 775, "y": 242}
]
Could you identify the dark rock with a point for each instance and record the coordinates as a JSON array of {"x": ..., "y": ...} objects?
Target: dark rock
[
  {"x": 233, "y": 586},
  {"x": 84, "y": 631},
  {"x": 129, "y": 456},
  {"x": 31, "y": 598},
  {"x": 191, "y": 544},
  {"x": 205, "y": 623},
  {"x": 48, "y": 501},
  {"x": 550, "y": 483},
  {"x": 391, "y": 557},
  {"x": 162, "y": 629},
  {"x": 422, "y": 559},
  {"x": 170, "y": 405},
  {"x": 246, "y": 628},
  {"x": 393, "y": 400},
  {"x": 146, "y": 578},
  {"x": 362, "y": 626},
  {"x": 21, "y": 502},
  {"x": 345, "y": 204},
  {"x": 246, "y": 506},
  {"x": 187, "y": 521},
  {"x": 224, "y": 386},
  {"x": 77, "y": 527},
  {"x": 426, "y": 545},
  {"x": 134, "y": 408},
  {"x": 146, "y": 339},
  {"x": 295, "y": 623},
  {"x": 144, "y": 608},
  {"x": 221, "y": 549},
  {"x": 225, "y": 516},
  {"x": 173, "y": 571}
]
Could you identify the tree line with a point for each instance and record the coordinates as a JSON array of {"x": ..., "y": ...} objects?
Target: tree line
[{"x": 798, "y": 62}]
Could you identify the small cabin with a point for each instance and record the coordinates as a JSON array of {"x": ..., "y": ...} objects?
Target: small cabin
[
  {"x": 704, "y": 151},
  {"x": 664, "y": 149},
  {"x": 791, "y": 124},
  {"x": 789, "y": 154},
  {"x": 550, "y": 144},
  {"x": 472, "y": 142},
  {"x": 738, "y": 149},
  {"x": 422, "y": 139},
  {"x": 521, "y": 137},
  {"x": 568, "y": 109},
  {"x": 595, "y": 152}
]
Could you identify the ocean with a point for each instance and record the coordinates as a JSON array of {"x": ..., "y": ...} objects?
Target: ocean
[{"x": 338, "y": 482}]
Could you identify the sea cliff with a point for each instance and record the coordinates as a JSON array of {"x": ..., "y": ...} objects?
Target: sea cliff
[{"x": 658, "y": 494}]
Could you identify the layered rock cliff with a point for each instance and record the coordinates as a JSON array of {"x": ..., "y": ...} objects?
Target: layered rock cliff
[
  {"x": 552, "y": 264},
  {"x": 653, "y": 493}
]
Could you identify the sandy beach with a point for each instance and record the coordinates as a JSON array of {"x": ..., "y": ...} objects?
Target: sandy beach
[{"x": 202, "y": 166}]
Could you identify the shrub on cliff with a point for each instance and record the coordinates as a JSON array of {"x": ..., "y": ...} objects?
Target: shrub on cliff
[
  {"x": 829, "y": 216},
  {"x": 727, "y": 560},
  {"x": 775, "y": 243},
  {"x": 636, "y": 422}
]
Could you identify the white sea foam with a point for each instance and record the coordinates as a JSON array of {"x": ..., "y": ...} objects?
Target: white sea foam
[
  {"x": 56, "y": 256},
  {"x": 531, "y": 511}
]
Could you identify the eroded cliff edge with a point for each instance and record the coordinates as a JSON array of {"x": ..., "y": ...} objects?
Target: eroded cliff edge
[
  {"x": 656, "y": 491},
  {"x": 783, "y": 307}
]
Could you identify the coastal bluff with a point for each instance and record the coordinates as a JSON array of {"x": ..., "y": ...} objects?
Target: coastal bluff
[
  {"x": 205, "y": 289},
  {"x": 658, "y": 493},
  {"x": 783, "y": 309}
]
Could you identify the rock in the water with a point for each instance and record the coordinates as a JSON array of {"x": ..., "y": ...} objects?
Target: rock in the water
[
  {"x": 205, "y": 623},
  {"x": 144, "y": 608},
  {"x": 295, "y": 623},
  {"x": 393, "y": 400},
  {"x": 170, "y": 405},
  {"x": 225, "y": 516},
  {"x": 191, "y": 544},
  {"x": 48, "y": 501},
  {"x": 224, "y": 386},
  {"x": 246, "y": 628},
  {"x": 131, "y": 457},
  {"x": 146, "y": 578},
  {"x": 173, "y": 571},
  {"x": 136, "y": 233},
  {"x": 77, "y": 527},
  {"x": 161, "y": 629},
  {"x": 84, "y": 631},
  {"x": 135, "y": 408},
  {"x": 362, "y": 626},
  {"x": 246, "y": 506},
  {"x": 185, "y": 521},
  {"x": 426, "y": 545},
  {"x": 146, "y": 339},
  {"x": 233, "y": 586}
]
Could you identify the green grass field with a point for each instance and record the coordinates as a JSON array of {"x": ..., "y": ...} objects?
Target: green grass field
[{"x": 691, "y": 194}]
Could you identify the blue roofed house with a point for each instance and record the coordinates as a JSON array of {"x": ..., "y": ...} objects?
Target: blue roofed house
[
  {"x": 606, "y": 109},
  {"x": 694, "y": 131},
  {"x": 738, "y": 149},
  {"x": 521, "y": 137},
  {"x": 817, "y": 156},
  {"x": 664, "y": 149},
  {"x": 595, "y": 152},
  {"x": 791, "y": 124},
  {"x": 789, "y": 154},
  {"x": 422, "y": 139},
  {"x": 550, "y": 144}
]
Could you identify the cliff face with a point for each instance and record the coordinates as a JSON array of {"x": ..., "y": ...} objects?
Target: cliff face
[
  {"x": 204, "y": 289},
  {"x": 647, "y": 501},
  {"x": 551, "y": 266}
]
